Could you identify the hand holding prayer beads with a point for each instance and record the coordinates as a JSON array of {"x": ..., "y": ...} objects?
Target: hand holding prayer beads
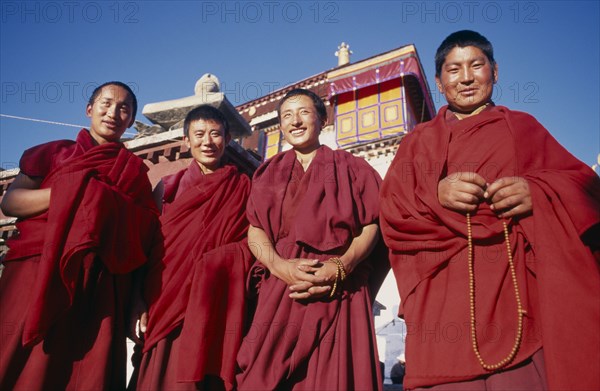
[
  {"x": 509, "y": 196},
  {"x": 464, "y": 191},
  {"x": 461, "y": 191}
]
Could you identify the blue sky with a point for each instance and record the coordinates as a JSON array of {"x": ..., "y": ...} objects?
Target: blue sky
[{"x": 53, "y": 53}]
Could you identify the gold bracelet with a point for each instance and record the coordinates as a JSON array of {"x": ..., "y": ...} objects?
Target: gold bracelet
[
  {"x": 334, "y": 287},
  {"x": 340, "y": 265},
  {"x": 340, "y": 273}
]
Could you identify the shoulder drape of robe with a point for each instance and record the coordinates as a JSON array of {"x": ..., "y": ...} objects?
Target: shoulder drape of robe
[
  {"x": 329, "y": 343},
  {"x": 100, "y": 223},
  {"x": 423, "y": 237},
  {"x": 100, "y": 206},
  {"x": 197, "y": 275}
]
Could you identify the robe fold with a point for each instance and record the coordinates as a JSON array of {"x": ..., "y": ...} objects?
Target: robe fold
[
  {"x": 557, "y": 273},
  {"x": 327, "y": 344},
  {"x": 195, "y": 283},
  {"x": 65, "y": 289}
]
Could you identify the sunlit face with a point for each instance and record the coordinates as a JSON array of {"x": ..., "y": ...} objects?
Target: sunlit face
[
  {"x": 207, "y": 140},
  {"x": 300, "y": 123},
  {"x": 467, "y": 79},
  {"x": 111, "y": 114}
]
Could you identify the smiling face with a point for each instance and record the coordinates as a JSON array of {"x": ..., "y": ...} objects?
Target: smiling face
[
  {"x": 111, "y": 114},
  {"x": 467, "y": 79},
  {"x": 207, "y": 140},
  {"x": 300, "y": 123}
]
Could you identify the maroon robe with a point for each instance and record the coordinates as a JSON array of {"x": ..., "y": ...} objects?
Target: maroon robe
[
  {"x": 197, "y": 278},
  {"x": 557, "y": 273},
  {"x": 327, "y": 344},
  {"x": 65, "y": 288}
]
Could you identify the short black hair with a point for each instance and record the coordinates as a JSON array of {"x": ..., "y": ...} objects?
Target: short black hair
[
  {"x": 98, "y": 89},
  {"x": 317, "y": 101},
  {"x": 206, "y": 113},
  {"x": 463, "y": 39}
]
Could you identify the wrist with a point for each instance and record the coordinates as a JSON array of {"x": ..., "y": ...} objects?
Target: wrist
[
  {"x": 340, "y": 275},
  {"x": 271, "y": 260},
  {"x": 279, "y": 267},
  {"x": 340, "y": 266},
  {"x": 330, "y": 271},
  {"x": 347, "y": 262},
  {"x": 273, "y": 267}
]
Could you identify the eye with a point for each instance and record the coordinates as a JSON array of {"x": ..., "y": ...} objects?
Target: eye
[{"x": 215, "y": 134}]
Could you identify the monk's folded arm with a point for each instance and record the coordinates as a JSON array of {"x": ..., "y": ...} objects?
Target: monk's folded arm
[
  {"x": 262, "y": 248},
  {"x": 264, "y": 251},
  {"x": 24, "y": 198},
  {"x": 292, "y": 271},
  {"x": 361, "y": 247}
]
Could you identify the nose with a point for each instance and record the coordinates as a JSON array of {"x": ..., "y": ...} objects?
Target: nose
[
  {"x": 297, "y": 120},
  {"x": 111, "y": 111},
  {"x": 466, "y": 75},
  {"x": 206, "y": 139}
]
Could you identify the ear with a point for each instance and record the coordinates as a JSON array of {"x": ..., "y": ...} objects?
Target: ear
[
  {"x": 438, "y": 83},
  {"x": 227, "y": 138},
  {"x": 88, "y": 110},
  {"x": 495, "y": 73},
  {"x": 186, "y": 141}
]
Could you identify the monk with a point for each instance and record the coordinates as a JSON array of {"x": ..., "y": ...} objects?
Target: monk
[
  {"x": 86, "y": 219},
  {"x": 493, "y": 230},
  {"x": 195, "y": 283},
  {"x": 313, "y": 216}
]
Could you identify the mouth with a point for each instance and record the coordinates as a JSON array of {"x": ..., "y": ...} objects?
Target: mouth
[
  {"x": 297, "y": 132},
  {"x": 110, "y": 124},
  {"x": 469, "y": 91}
]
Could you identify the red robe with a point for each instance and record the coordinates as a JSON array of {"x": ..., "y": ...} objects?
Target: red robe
[
  {"x": 197, "y": 278},
  {"x": 557, "y": 273},
  {"x": 64, "y": 292},
  {"x": 328, "y": 344}
]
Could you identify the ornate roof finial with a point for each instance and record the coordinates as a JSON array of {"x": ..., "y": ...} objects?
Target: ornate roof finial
[
  {"x": 343, "y": 54},
  {"x": 206, "y": 84}
]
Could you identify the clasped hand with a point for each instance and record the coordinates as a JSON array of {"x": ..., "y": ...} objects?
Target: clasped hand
[
  {"x": 307, "y": 278},
  {"x": 464, "y": 191}
]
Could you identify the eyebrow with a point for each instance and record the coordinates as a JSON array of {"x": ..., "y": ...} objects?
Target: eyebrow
[
  {"x": 209, "y": 130},
  {"x": 299, "y": 108},
  {"x": 109, "y": 99},
  {"x": 479, "y": 58}
]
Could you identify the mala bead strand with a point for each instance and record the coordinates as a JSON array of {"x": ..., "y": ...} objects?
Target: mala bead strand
[
  {"x": 520, "y": 312},
  {"x": 340, "y": 274},
  {"x": 334, "y": 287},
  {"x": 340, "y": 265}
]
